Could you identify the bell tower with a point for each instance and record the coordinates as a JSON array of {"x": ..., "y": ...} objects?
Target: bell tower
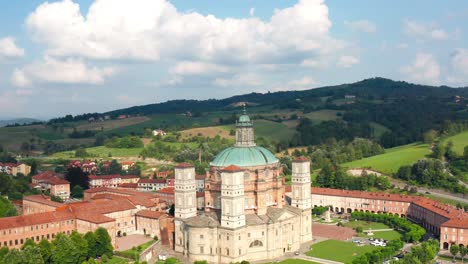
[
  {"x": 301, "y": 196},
  {"x": 232, "y": 197}
]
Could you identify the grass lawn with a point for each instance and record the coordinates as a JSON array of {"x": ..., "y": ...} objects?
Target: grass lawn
[
  {"x": 131, "y": 253},
  {"x": 366, "y": 225},
  {"x": 387, "y": 235},
  {"x": 392, "y": 159},
  {"x": 117, "y": 260},
  {"x": 459, "y": 142},
  {"x": 338, "y": 250},
  {"x": 295, "y": 261}
]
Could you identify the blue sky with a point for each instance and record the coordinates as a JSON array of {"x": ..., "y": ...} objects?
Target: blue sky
[{"x": 61, "y": 57}]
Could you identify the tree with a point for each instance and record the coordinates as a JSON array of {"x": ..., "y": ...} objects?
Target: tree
[
  {"x": 64, "y": 250},
  {"x": 7, "y": 208},
  {"x": 32, "y": 255},
  {"x": 103, "y": 242},
  {"x": 81, "y": 245},
  {"x": 81, "y": 153},
  {"x": 46, "y": 250},
  {"x": 76, "y": 176},
  {"x": 463, "y": 251},
  {"x": 454, "y": 250},
  {"x": 91, "y": 239},
  {"x": 429, "y": 136},
  {"x": 28, "y": 242},
  {"x": 77, "y": 191}
]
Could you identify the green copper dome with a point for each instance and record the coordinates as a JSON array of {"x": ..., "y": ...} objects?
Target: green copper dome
[
  {"x": 244, "y": 156},
  {"x": 244, "y": 119}
]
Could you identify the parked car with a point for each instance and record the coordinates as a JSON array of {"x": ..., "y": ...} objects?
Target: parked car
[{"x": 357, "y": 241}]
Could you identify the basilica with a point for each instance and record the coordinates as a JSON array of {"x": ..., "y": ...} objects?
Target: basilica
[{"x": 246, "y": 215}]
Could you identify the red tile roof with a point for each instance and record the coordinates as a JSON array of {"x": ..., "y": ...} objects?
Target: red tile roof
[
  {"x": 167, "y": 190},
  {"x": 42, "y": 199},
  {"x": 200, "y": 177},
  {"x": 458, "y": 222},
  {"x": 46, "y": 175},
  {"x": 184, "y": 165},
  {"x": 363, "y": 194},
  {"x": 439, "y": 208},
  {"x": 301, "y": 159},
  {"x": 152, "y": 181},
  {"x": 34, "y": 219},
  {"x": 128, "y": 185},
  {"x": 150, "y": 214},
  {"x": 232, "y": 168}
]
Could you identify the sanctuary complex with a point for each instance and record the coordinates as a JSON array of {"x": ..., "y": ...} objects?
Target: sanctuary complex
[{"x": 245, "y": 216}]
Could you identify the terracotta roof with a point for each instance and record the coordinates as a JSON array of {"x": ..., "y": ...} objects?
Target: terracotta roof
[
  {"x": 95, "y": 218},
  {"x": 40, "y": 198},
  {"x": 458, "y": 222},
  {"x": 34, "y": 219},
  {"x": 99, "y": 206},
  {"x": 167, "y": 190},
  {"x": 301, "y": 159},
  {"x": 128, "y": 185},
  {"x": 150, "y": 214},
  {"x": 128, "y": 163},
  {"x": 57, "y": 181},
  {"x": 232, "y": 168},
  {"x": 363, "y": 194},
  {"x": 46, "y": 175},
  {"x": 184, "y": 165},
  {"x": 439, "y": 208},
  {"x": 152, "y": 181}
]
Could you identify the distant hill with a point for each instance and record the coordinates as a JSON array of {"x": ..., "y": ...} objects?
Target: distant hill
[{"x": 20, "y": 121}]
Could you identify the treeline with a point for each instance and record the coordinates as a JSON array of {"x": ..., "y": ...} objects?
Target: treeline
[
  {"x": 423, "y": 253},
  {"x": 124, "y": 142},
  {"x": 333, "y": 176},
  {"x": 310, "y": 133},
  {"x": 333, "y": 151},
  {"x": 7, "y": 208},
  {"x": 75, "y": 248},
  {"x": 16, "y": 186},
  {"x": 432, "y": 173},
  {"x": 410, "y": 232}
]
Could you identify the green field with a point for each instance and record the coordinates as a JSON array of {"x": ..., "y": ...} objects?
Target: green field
[
  {"x": 387, "y": 235},
  {"x": 392, "y": 159},
  {"x": 102, "y": 152},
  {"x": 338, "y": 250},
  {"x": 366, "y": 225},
  {"x": 270, "y": 130},
  {"x": 295, "y": 261},
  {"x": 459, "y": 142}
]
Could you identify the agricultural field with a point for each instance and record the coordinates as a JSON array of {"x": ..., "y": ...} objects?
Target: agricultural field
[
  {"x": 269, "y": 130},
  {"x": 392, "y": 159},
  {"x": 328, "y": 249},
  {"x": 208, "y": 132},
  {"x": 102, "y": 152},
  {"x": 459, "y": 142},
  {"x": 324, "y": 115}
]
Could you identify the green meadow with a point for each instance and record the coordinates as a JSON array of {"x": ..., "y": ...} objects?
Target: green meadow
[
  {"x": 459, "y": 142},
  {"x": 338, "y": 250}
]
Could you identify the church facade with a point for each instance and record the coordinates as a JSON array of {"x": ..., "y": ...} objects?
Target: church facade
[{"x": 246, "y": 215}]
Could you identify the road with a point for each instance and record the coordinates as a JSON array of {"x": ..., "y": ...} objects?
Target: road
[{"x": 438, "y": 193}]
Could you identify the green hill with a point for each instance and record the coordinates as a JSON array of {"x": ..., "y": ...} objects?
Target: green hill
[{"x": 393, "y": 158}]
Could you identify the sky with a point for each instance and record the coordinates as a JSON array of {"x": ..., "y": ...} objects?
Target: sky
[{"x": 81, "y": 56}]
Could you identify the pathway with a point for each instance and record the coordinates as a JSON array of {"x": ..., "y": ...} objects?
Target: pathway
[
  {"x": 377, "y": 230},
  {"x": 318, "y": 260}
]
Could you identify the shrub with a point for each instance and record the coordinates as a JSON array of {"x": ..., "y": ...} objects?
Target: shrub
[
  {"x": 156, "y": 238},
  {"x": 104, "y": 258},
  {"x": 359, "y": 229},
  {"x": 124, "y": 233}
]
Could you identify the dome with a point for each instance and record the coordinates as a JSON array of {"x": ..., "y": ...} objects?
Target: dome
[
  {"x": 244, "y": 119},
  {"x": 244, "y": 156}
]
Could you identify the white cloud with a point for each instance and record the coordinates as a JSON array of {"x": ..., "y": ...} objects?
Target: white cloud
[
  {"x": 252, "y": 11},
  {"x": 459, "y": 67},
  {"x": 238, "y": 80},
  {"x": 154, "y": 29},
  {"x": 197, "y": 68},
  {"x": 67, "y": 71},
  {"x": 8, "y": 48},
  {"x": 424, "y": 70},
  {"x": 421, "y": 30},
  {"x": 310, "y": 63},
  {"x": 361, "y": 25},
  {"x": 294, "y": 85},
  {"x": 347, "y": 61}
]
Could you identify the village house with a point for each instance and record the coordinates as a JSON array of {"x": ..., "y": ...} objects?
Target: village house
[
  {"x": 15, "y": 168},
  {"x": 159, "y": 132},
  {"x": 111, "y": 181},
  {"x": 150, "y": 185},
  {"x": 52, "y": 182},
  {"x": 127, "y": 165}
]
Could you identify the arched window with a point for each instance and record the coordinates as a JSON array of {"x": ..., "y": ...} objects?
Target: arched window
[{"x": 256, "y": 243}]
